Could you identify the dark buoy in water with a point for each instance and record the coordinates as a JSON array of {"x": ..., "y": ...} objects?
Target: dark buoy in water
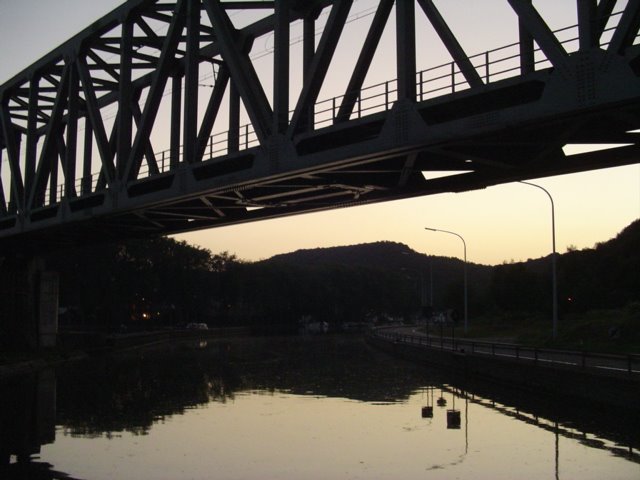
[{"x": 453, "y": 419}]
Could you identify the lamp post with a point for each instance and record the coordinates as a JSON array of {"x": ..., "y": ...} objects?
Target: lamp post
[
  {"x": 431, "y": 281},
  {"x": 554, "y": 281},
  {"x": 419, "y": 283},
  {"x": 466, "y": 317}
]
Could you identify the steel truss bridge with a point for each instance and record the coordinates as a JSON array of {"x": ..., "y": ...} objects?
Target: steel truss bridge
[{"x": 156, "y": 120}]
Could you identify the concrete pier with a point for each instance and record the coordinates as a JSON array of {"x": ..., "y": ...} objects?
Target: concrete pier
[{"x": 28, "y": 304}]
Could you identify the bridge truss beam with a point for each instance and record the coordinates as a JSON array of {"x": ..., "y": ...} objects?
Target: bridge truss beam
[{"x": 157, "y": 119}]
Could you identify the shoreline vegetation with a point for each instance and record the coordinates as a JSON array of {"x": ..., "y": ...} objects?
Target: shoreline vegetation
[
  {"x": 598, "y": 331},
  {"x": 121, "y": 290}
]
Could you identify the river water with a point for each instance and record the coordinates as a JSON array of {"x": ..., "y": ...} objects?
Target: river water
[{"x": 295, "y": 408}]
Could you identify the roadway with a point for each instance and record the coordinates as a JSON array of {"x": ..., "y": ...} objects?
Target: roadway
[{"x": 600, "y": 362}]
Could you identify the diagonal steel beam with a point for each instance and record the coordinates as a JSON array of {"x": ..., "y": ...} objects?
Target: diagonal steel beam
[
  {"x": 21, "y": 104},
  {"x": 364, "y": 60},
  {"x": 49, "y": 77},
  {"x": 210, "y": 114},
  {"x": 627, "y": 28},
  {"x": 149, "y": 154},
  {"x": 48, "y": 156},
  {"x": 156, "y": 91},
  {"x": 605, "y": 8},
  {"x": 102, "y": 65},
  {"x": 13, "y": 153},
  {"x": 93, "y": 114},
  {"x": 134, "y": 110},
  {"x": 320, "y": 64},
  {"x": 148, "y": 31},
  {"x": 540, "y": 32},
  {"x": 451, "y": 43},
  {"x": 190, "y": 126},
  {"x": 3, "y": 202},
  {"x": 242, "y": 72}
]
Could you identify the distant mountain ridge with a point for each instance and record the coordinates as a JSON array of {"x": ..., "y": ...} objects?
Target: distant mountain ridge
[
  {"x": 436, "y": 274},
  {"x": 383, "y": 254},
  {"x": 606, "y": 275},
  {"x": 386, "y": 254}
]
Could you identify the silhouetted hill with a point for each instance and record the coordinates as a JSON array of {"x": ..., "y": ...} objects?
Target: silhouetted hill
[
  {"x": 440, "y": 277},
  {"x": 625, "y": 243},
  {"x": 605, "y": 276},
  {"x": 380, "y": 255},
  {"x": 377, "y": 255}
]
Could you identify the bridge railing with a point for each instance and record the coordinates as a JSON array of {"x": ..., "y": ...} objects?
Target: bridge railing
[
  {"x": 492, "y": 66},
  {"x": 217, "y": 146},
  {"x": 372, "y": 99},
  {"x": 602, "y": 362},
  {"x": 83, "y": 186}
]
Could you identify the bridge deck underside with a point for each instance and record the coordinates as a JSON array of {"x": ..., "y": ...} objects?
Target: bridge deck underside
[{"x": 344, "y": 165}]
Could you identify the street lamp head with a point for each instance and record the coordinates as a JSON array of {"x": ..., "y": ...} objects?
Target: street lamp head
[{"x": 432, "y": 229}]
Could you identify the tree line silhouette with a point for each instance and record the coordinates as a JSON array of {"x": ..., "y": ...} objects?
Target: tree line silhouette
[{"x": 162, "y": 281}]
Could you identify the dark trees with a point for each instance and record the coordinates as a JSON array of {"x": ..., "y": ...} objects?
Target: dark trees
[
  {"x": 602, "y": 277},
  {"x": 155, "y": 281},
  {"x": 163, "y": 281}
]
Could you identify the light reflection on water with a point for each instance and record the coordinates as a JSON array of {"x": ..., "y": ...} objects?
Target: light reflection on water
[{"x": 325, "y": 409}]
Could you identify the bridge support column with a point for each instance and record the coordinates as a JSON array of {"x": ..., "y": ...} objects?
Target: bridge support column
[
  {"x": 28, "y": 304},
  {"x": 48, "y": 309}
]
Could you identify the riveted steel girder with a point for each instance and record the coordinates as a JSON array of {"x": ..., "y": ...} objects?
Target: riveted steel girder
[{"x": 81, "y": 157}]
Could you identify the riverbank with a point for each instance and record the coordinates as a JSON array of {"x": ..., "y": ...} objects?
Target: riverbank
[
  {"x": 598, "y": 386},
  {"x": 75, "y": 346}
]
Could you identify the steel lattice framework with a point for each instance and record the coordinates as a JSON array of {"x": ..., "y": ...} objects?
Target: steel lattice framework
[{"x": 76, "y": 128}]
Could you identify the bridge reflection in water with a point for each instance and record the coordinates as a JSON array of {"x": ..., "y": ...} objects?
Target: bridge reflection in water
[{"x": 291, "y": 408}]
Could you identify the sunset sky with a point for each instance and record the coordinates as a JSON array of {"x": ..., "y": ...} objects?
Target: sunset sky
[{"x": 502, "y": 223}]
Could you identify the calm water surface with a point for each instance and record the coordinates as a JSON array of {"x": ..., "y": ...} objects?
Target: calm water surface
[{"x": 315, "y": 408}]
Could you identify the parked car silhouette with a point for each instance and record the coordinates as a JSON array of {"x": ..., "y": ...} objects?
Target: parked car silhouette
[{"x": 197, "y": 326}]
